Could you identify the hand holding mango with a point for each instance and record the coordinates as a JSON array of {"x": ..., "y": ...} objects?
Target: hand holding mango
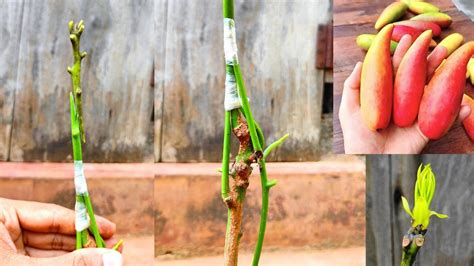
[{"x": 401, "y": 94}]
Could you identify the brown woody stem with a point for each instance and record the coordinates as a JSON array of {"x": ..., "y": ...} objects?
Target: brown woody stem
[{"x": 241, "y": 171}]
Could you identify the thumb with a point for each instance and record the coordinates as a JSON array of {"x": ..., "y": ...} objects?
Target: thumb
[{"x": 86, "y": 257}]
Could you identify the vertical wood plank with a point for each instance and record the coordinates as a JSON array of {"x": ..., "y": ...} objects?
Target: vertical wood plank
[
  {"x": 11, "y": 13},
  {"x": 450, "y": 242},
  {"x": 161, "y": 13},
  {"x": 379, "y": 247},
  {"x": 117, "y": 81},
  {"x": 277, "y": 53}
]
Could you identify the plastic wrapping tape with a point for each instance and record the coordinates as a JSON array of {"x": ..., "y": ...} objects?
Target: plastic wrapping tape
[
  {"x": 82, "y": 219},
  {"x": 79, "y": 178},
  {"x": 231, "y": 97},
  {"x": 230, "y": 42}
]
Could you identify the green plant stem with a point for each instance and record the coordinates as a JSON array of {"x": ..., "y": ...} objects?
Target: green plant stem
[
  {"x": 77, "y": 155},
  {"x": 228, "y": 12},
  {"x": 225, "y": 157},
  {"x": 228, "y": 8},
  {"x": 411, "y": 244},
  {"x": 75, "y": 32},
  {"x": 263, "y": 212},
  {"x": 93, "y": 223},
  {"x": 77, "y": 129},
  {"x": 247, "y": 111},
  {"x": 78, "y": 240},
  {"x": 409, "y": 255}
]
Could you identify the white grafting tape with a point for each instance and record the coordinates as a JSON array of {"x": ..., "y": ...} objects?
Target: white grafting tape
[
  {"x": 79, "y": 178},
  {"x": 82, "y": 219},
  {"x": 230, "y": 42},
  {"x": 231, "y": 97}
]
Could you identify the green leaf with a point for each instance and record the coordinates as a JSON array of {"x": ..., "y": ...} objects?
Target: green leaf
[
  {"x": 406, "y": 206},
  {"x": 439, "y": 215}
]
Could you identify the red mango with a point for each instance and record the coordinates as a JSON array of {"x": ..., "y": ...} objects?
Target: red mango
[
  {"x": 410, "y": 81},
  {"x": 376, "y": 88},
  {"x": 422, "y": 26},
  {"x": 468, "y": 123},
  {"x": 443, "y": 95},
  {"x": 400, "y": 30}
]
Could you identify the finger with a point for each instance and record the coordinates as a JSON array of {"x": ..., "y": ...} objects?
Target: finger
[
  {"x": 52, "y": 218},
  {"x": 86, "y": 257},
  {"x": 106, "y": 227},
  {"x": 41, "y": 253},
  {"x": 402, "y": 48},
  {"x": 49, "y": 241},
  {"x": 464, "y": 112},
  {"x": 6, "y": 242},
  {"x": 435, "y": 58},
  {"x": 350, "y": 92},
  {"x": 424, "y": 138}
]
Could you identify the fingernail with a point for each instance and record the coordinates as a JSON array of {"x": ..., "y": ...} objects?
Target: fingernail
[{"x": 112, "y": 258}]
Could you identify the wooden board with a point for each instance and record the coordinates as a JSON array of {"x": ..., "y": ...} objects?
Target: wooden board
[
  {"x": 352, "y": 18},
  {"x": 117, "y": 80},
  {"x": 447, "y": 241},
  {"x": 276, "y": 41},
  {"x": 10, "y": 33},
  {"x": 160, "y": 16}
]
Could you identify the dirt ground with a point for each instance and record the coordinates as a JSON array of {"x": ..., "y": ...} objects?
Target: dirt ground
[
  {"x": 346, "y": 256},
  {"x": 138, "y": 250}
]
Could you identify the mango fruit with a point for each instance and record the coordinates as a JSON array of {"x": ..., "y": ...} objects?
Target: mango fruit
[
  {"x": 470, "y": 71},
  {"x": 435, "y": 59},
  {"x": 421, "y": 25},
  {"x": 410, "y": 81},
  {"x": 419, "y": 7},
  {"x": 400, "y": 30},
  {"x": 442, "y": 98},
  {"x": 365, "y": 40},
  {"x": 376, "y": 88},
  {"x": 391, "y": 13},
  {"x": 468, "y": 123},
  {"x": 452, "y": 42},
  {"x": 442, "y": 19}
]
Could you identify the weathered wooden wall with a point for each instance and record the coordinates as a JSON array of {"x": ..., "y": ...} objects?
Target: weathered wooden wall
[
  {"x": 169, "y": 51},
  {"x": 117, "y": 79},
  {"x": 277, "y": 50},
  {"x": 448, "y": 242}
]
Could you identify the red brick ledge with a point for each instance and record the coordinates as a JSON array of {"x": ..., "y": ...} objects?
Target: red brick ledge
[
  {"x": 149, "y": 170},
  {"x": 293, "y": 168}
]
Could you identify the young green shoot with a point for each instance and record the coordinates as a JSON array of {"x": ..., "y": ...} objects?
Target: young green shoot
[
  {"x": 85, "y": 218},
  {"x": 424, "y": 192}
]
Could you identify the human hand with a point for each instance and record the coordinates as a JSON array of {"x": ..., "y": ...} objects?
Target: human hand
[
  {"x": 358, "y": 139},
  {"x": 33, "y": 233}
]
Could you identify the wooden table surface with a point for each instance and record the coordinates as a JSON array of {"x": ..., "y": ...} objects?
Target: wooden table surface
[{"x": 352, "y": 18}]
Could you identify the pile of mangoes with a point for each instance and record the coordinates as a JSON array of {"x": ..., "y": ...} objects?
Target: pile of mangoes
[{"x": 428, "y": 86}]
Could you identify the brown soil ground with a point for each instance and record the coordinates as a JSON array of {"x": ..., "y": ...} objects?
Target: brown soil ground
[
  {"x": 345, "y": 256},
  {"x": 138, "y": 250}
]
